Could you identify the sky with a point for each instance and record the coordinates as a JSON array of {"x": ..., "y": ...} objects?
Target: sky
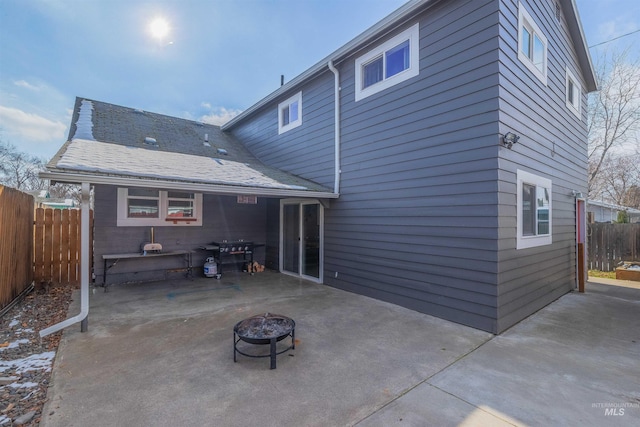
[{"x": 218, "y": 58}]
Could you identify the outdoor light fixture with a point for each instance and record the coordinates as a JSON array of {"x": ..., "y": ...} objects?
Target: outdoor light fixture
[
  {"x": 576, "y": 194},
  {"x": 509, "y": 138}
]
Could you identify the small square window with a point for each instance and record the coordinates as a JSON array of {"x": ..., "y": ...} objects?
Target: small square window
[
  {"x": 533, "y": 210},
  {"x": 290, "y": 113},
  {"x": 532, "y": 45},
  {"x": 573, "y": 94}
]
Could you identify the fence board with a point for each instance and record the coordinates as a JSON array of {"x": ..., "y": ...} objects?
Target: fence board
[
  {"x": 610, "y": 244},
  {"x": 48, "y": 242},
  {"x": 57, "y": 239},
  {"x": 16, "y": 243},
  {"x": 38, "y": 248},
  {"x": 74, "y": 245},
  {"x": 64, "y": 247}
]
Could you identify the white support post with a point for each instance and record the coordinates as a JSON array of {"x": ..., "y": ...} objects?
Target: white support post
[{"x": 84, "y": 270}]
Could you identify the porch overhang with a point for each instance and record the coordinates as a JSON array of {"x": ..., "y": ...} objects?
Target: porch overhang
[{"x": 63, "y": 176}]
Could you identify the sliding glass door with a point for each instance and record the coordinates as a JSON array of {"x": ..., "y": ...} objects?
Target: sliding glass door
[{"x": 301, "y": 238}]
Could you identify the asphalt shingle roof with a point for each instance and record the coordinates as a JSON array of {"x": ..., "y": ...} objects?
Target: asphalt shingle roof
[{"x": 98, "y": 128}]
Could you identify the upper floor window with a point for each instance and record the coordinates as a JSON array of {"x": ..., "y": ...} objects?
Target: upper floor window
[
  {"x": 290, "y": 113},
  {"x": 148, "y": 206},
  {"x": 390, "y": 63},
  {"x": 573, "y": 93},
  {"x": 532, "y": 45},
  {"x": 533, "y": 210}
]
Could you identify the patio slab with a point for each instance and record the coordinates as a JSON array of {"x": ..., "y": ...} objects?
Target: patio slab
[
  {"x": 575, "y": 362},
  {"x": 161, "y": 354}
]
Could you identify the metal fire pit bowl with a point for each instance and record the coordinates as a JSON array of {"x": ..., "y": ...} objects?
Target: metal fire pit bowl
[{"x": 264, "y": 329}]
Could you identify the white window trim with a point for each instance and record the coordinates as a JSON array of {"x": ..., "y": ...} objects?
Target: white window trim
[
  {"x": 287, "y": 103},
  {"x": 413, "y": 35},
  {"x": 525, "y": 20},
  {"x": 162, "y": 220},
  {"x": 523, "y": 242},
  {"x": 573, "y": 107}
]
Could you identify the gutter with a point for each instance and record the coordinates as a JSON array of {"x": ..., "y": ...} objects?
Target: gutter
[
  {"x": 84, "y": 271},
  {"x": 336, "y": 74},
  {"x": 183, "y": 186}
]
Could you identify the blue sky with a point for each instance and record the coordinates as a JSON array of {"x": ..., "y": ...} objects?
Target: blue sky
[{"x": 220, "y": 57}]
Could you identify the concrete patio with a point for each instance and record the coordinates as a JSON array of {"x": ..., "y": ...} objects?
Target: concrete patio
[{"x": 161, "y": 354}]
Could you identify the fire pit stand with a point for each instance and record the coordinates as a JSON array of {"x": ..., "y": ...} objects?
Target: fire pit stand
[{"x": 264, "y": 329}]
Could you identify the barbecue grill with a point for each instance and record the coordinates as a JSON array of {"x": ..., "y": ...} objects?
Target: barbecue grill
[{"x": 226, "y": 251}]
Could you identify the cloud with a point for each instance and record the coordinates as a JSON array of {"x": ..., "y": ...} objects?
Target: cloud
[
  {"x": 220, "y": 116},
  {"x": 30, "y": 126},
  {"x": 25, "y": 84}
]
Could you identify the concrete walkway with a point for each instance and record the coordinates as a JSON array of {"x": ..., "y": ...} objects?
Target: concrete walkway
[{"x": 161, "y": 354}]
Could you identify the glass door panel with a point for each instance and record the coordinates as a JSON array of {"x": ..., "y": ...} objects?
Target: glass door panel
[
  {"x": 291, "y": 238},
  {"x": 311, "y": 240}
]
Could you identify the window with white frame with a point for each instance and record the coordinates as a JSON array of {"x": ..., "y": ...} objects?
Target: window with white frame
[
  {"x": 532, "y": 45},
  {"x": 393, "y": 62},
  {"x": 290, "y": 113},
  {"x": 573, "y": 93},
  {"x": 148, "y": 206},
  {"x": 533, "y": 210}
]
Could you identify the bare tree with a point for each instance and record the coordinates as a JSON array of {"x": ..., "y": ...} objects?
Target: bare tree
[
  {"x": 613, "y": 115},
  {"x": 619, "y": 179},
  {"x": 19, "y": 170}
]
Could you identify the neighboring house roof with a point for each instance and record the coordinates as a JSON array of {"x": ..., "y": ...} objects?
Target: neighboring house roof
[
  {"x": 110, "y": 144},
  {"x": 391, "y": 22},
  {"x": 613, "y": 207}
]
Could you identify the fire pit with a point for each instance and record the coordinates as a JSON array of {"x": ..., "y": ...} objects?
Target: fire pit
[{"x": 264, "y": 329}]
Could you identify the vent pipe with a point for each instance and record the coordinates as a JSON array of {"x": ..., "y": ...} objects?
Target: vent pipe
[{"x": 281, "y": 79}]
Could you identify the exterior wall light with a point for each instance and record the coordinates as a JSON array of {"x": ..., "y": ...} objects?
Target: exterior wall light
[
  {"x": 509, "y": 138},
  {"x": 576, "y": 194}
]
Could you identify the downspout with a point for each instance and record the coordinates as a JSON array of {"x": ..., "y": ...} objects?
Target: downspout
[
  {"x": 84, "y": 270},
  {"x": 336, "y": 74}
]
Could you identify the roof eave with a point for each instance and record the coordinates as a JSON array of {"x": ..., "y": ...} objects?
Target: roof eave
[
  {"x": 78, "y": 178},
  {"x": 584, "y": 57}
]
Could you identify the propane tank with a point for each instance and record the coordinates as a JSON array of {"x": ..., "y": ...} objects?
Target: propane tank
[{"x": 211, "y": 267}]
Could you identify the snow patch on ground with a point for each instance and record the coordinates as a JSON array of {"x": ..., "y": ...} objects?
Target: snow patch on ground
[{"x": 31, "y": 363}]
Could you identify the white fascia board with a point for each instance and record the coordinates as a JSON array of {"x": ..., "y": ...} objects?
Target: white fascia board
[{"x": 78, "y": 178}]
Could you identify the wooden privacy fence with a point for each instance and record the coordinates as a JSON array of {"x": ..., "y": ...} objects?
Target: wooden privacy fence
[
  {"x": 16, "y": 240},
  {"x": 609, "y": 244},
  {"x": 56, "y": 255}
]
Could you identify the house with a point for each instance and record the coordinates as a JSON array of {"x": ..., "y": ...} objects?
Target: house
[
  {"x": 608, "y": 212},
  {"x": 432, "y": 162}
]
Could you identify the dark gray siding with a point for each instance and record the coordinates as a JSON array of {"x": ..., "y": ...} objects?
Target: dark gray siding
[
  {"x": 416, "y": 223},
  {"x": 427, "y": 211},
  {"x": 552, "y": 145},
  {"x": 223, "y": 219},
  {"x": 307, "y": 150}
]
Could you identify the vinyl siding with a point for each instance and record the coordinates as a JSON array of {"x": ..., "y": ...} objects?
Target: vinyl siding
[
  {"x": 223, "y": 218},
  {"x": 304, "y": 151},
  {"x": 552, "y": 145},
  {"x": 426, "y": 216}
]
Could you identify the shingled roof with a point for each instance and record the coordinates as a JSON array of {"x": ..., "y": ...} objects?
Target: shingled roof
[{"x": 109, "y": 143}]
